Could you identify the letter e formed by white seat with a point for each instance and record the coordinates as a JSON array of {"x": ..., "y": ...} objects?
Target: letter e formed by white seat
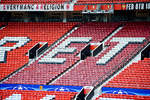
[{"x": 63, "y": 48}]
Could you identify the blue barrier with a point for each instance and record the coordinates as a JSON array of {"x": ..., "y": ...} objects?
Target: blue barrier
[
  {"x": 128, "y": 91},
  {"x": 40, "y": 87}
]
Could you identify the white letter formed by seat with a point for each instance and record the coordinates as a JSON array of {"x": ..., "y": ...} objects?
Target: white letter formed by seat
[
  {"x": 18, "y": 97},
  {"x": 20, "y": 41},
  {"x": 123, "y": 42},
  {"x": 62, "y": 48},
  {"x": 14, "y": 97},
  {"x": 49, "y": 97}
]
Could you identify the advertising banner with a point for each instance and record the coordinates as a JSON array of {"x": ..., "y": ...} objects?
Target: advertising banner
[
  {"x": 127, "y": 91},
  {"x": 137, "y": 6},
  {"x": 36, "y": 7},
  {"x": 40, "y": 87}
]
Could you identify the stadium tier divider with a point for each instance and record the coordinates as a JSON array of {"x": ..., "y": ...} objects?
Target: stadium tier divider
[
  {"x": 37, "y": 49},
  {"x": 145, "y": 53},
  {"x": 92, "y": 49},
  {"x": 3, "y": 25}
]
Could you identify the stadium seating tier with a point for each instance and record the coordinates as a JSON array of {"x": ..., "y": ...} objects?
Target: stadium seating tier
[
  {"x": 36, "y": 32},
  {"x": 89, "y": 67},
  {"x": 43, "y": 73},
  {"x": 85, "y": 72}
]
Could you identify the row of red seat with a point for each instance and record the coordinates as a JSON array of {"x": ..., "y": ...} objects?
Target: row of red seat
[
  {"x": 36, "y": 32},
  {"x": 98, "y": 31},
  {"x": 129, "y": 30},
  {"x": 135, "y": 76},
  {"x": 40, "y": 73},
  {"x": 107, "y": 96}
]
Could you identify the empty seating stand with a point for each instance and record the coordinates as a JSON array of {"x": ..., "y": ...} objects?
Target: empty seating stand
[
  {"x": 88, "y": 68},
  {"x": 98, "y": 32},
  {"x": 43, "y": 73},
  {"x": 82, "y": 74},
  {"x": 35, "y": 32}
]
